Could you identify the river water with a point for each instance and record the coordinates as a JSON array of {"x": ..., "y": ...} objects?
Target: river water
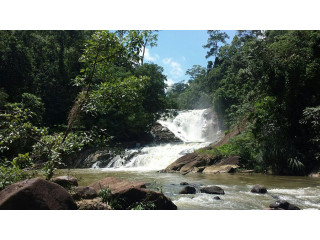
[
  {"x": 303, "y": 192},
  {"x": 198, "y": 128}
]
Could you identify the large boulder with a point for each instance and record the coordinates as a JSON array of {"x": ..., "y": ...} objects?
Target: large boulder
[
  {"x": 259, "y": 189},
  {"x": 282, "y": 204},
  {"x": 188, "y": 190},
  {"x": 228, "y": 165},
  {"x": 189, "y": 162},
  {"x": 129, "y": 193},
  {"x": 66, "y": 181},
  {"x": 84, "y": 193},
  {"x": 162, "y": 134},
  {"x": 116, "y": 184},
  {"x": 36, "y": 194},
  {"x": 205, "y": 163},
  {"x": 212, "y": 190}
]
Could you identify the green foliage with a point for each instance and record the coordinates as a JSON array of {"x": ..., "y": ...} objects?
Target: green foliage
[
  {"x": 55, "y": 153},
  {"x": 107, "y": 197},
  {"x": 42, "y": 63},
  {"x": 34, "y": 103},
  {"x": 311, "y": 122},
  {"x": 243, "y": 145},
  {"x": 17, "y": 132},
  {"x": 195, "y": 94},
  {"x": 143, "y": 205},
  {"x": 3, "y": 98},
  {"x": 270, "y": 78},
  {"x": 22, "y": 161},
  {"x": 10, "y": 172},
  {"x": 215, "y": 37},
  {"x": 153, "y": 91}
]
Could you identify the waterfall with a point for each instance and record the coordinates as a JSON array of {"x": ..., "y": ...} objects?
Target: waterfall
[
  {"x": 196, "y": 128},
  {"x": 193, "y": 125}
]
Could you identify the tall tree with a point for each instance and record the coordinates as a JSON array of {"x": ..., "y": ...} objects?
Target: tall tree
[{"x": 215, "y": 38}]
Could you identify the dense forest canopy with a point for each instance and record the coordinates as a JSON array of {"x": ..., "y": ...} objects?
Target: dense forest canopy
[
  {"x": 271, "y": 81},
  {"x": 65, "y": 91}
]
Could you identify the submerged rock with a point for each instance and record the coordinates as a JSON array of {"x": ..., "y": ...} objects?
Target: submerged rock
[
  {"x": 188, "y": 190},
  {"x": 217, "y": 198},
  {"x": 66, "y": 181},
  {"x": 259, "y": 189},
  {"x": 36, "y": 194},
  {"x": 282, "y": 204},
  {"x": 129, "y": 193},
  {"x": 212, "y": 190}
]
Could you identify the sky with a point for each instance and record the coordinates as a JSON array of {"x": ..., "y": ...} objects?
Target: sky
[{"x": 179, "y": 50}]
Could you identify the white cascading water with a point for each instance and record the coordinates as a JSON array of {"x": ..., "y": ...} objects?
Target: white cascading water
[
  {"x": 196, "y": 128},
  {"x": 193, "y": 125}
]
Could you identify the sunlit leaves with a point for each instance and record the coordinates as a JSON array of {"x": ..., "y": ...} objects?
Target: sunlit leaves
[{"x": 120, "y": 94}]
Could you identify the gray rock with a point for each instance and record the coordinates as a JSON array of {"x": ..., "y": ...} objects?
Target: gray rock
[
  {"x": 282, "y": 204},
  {"x": 259, "y": 189},
  {"x": 36, "y": 194},
  {"x": 84, "y": 193},
  {"x": 103, "y": 157},
  {"x": 130, "y": 193},
  {"x": 212, "y": 190},
  {"x": 188, "y": 190},
  {"x": 162, "y": 134},
  {"x": 65, "y": 181}
]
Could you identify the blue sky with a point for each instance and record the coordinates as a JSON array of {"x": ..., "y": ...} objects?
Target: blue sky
[{"x": 179, "y": 50}]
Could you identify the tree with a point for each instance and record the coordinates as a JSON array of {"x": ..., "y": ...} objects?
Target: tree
[
  {"x": 153, "y": 92},
  {"x": 215, "y": 37},
  {"x": 149, "y": 38}
]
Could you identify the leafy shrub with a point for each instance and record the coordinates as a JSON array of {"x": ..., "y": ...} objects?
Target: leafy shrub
[
  {"x": 107, "y": 197},
  {"x": 17, "y": 132},
  {"x": 143, "y": 205},
  {"x": 11, "y": 173},
  {"x": 23, "y": 161}
]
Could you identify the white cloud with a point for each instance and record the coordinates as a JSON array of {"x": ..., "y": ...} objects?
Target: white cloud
[
  {"x": 166, "y": 60},
  {"x": 175, "y": 67},
  {"x": 169, "y": 82},
  {"x": 148, "y": 57}
]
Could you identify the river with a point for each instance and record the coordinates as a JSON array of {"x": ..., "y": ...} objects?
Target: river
[{"x": 196, "y": 129}]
